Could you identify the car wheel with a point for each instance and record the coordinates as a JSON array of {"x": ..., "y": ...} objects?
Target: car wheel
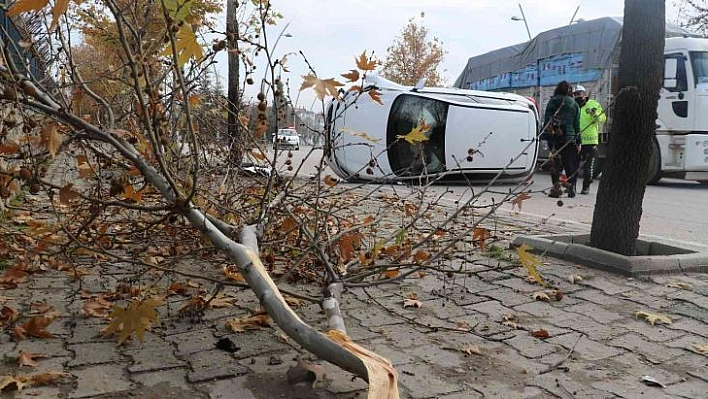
[{"x": 654, "y": 174}]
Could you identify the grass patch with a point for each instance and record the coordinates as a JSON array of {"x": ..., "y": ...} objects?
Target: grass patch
[{"x": 497, "y": 252}]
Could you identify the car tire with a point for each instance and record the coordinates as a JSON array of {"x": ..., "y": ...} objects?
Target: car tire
[{"x": 654, "y": 174}]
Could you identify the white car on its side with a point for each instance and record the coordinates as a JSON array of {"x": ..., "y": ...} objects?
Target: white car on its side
[{"x": 286, "y": 138}]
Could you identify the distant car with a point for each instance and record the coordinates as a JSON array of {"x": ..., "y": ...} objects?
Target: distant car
[{"x": 286, "y": 138}]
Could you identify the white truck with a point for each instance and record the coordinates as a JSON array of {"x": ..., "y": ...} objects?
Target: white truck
[
  {"x": 587, "y": 53},
  {"x": 439, "y": 134}
]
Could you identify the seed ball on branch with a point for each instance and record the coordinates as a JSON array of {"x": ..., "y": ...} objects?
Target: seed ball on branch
[
  {"x": 261, "y": 96},
  {"x": 25, "y": 174},
  {"x": 34, "y": 187},
  {"x": 249, "y": 81}
]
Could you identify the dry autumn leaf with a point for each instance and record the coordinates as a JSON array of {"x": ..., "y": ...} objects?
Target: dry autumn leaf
[
  {"x": 232, "y": 273},
  {"x": 375, "y": 96},
  {"x": 221, "y": 301},
  {"x": 243, "y": 324},
  {"x": 702, "y": 349},
  {"x": 10, "y": 383},
  {"x": 421, "y": 256},
  {"x": 540, "y": 334},
  {"x": 653, "y": 318},
  {"x": 51, "y": 138},
  {"x": 35, "y": 327},
  {"x": 27, "y": 359},
  {"x": 519, "y": 200},
  {"x": 351, "y": 76},
  {"x": 330, "y": 181},
  {"x": 66, "y": 194},
  {"x": 187, "y": 46},
  {"x": 136, "y": 318},
  {"x": 540, "y": 296},
  {"x": 8, "y": 315},
  {"x": 574, "y": 278},
  {"x": 529, "y": 263},
  {"x": 471, "y": 349},
  {"x": 363, "y": 135},
  {"x": 480, "y": 236},
  {"x": 322, "y": 87},
  {"x": 682, "y": 286},
  {"x": 391, "y": 273},
  {"x": 412, "y": 303},
  {"x": 97, "y": 307},
  {"x": 13, "y": 277},
  {"x": 366, "y": 63}
]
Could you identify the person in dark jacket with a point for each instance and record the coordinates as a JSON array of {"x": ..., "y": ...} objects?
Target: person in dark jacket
[{"x": 563, "y": 113}]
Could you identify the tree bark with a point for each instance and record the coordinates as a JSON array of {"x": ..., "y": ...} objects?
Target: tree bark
[
  {"x": 233, "y": 92},
  {"x": 618, "y": 208}
]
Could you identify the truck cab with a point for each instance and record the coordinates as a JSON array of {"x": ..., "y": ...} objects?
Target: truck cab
[{"x": 681, "y": 147}]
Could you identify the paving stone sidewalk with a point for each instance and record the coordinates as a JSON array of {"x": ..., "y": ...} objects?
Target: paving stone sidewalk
[{"x": 472, "y": 338}]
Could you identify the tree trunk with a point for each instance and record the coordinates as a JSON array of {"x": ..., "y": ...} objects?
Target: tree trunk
[
  {"x": 618, "y": 209},
  {"x": 233, "y": 128}
]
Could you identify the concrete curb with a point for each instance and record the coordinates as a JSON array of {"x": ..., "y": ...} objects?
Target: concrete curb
[{"x": 655, "y": 256}]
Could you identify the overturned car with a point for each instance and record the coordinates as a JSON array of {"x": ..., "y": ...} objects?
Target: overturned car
[{"x": 447, "y": 134}]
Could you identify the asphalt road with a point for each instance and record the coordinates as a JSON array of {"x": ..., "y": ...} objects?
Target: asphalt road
[{"x": 674, "y": 209}]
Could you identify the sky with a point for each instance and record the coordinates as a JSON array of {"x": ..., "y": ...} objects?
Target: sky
[{"x": 331, "y": 33}]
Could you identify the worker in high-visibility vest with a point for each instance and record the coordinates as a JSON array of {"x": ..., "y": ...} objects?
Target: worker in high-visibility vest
[{"x": 591, "y": 117}]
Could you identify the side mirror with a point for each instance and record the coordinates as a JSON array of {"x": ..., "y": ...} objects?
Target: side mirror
[{"x": 670, "y": 73}]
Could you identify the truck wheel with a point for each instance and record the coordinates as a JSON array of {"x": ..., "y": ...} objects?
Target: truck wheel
[{"x": 654, "y": 174}]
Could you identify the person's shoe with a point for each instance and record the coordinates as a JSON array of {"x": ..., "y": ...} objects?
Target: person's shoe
[
  {"x": 571, "y": 191},
  {"x": 556, "y": 191},
  {"x": 585, "y": 191}
]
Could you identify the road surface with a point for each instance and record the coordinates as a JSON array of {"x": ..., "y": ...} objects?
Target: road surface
[{"x": 674, "y": 209}]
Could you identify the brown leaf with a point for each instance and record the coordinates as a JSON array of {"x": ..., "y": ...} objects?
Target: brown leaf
[
  {"x": 519, "y": 200},
  {"x": 130, "y": 194},
  {"x": 391, "y": 273},
  {"x": 366, "y": 63},
  {"x": 221, "y": 301},
  {"x": 9, "y": 383},
  {"x": 243, "y": 324},
  {"x": 66, "y": 194},
  {"x": 330, "y": 181},
  {"x": 51, "y": 138},
  {"x": 181, "y": 288},
  {"x": 540, "y": 334},
  {"x": 48, "y": 378},
  {"x": 97, "y": 307},
  {"x": 463, "y": 325},
  {"x": 351, "y": 76},
  {"x": 13, "y": 276},
  {"x": 702, "y": 349},
  {"x": 480, "y": 236},
  {"x": 36, "y": 327},
  {"x": 8, "y": 315},
  {"x": 421, "y": 256},
  {"x": 540, "y": 296},
  {"x": 27, "y": 359},
  {"x": 376, "y": 96},
  {"x": 233, "y": 273}
]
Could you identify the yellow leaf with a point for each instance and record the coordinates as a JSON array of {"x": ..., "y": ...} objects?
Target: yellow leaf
[
  {"x": 352, "y": 76},
  {"x": 136, "y": 318},
  {"x": 365, "y": 63},
  {"x": 417, "y": 134},
  {"x": 187, "y": 46},
  {"x": 529, "y": 262},
  {"x": 222, "y": 301},
  {"x": 51, "y": 138},
  {"x": 21, "y": 6},
  {"x": 59, "y": 9},
  {"x": 519, "y": 199},
  {"x": 653, "y": 318}
]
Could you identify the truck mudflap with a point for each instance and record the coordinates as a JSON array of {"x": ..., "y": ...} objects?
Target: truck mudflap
[{"x": 696, "y": 156}]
